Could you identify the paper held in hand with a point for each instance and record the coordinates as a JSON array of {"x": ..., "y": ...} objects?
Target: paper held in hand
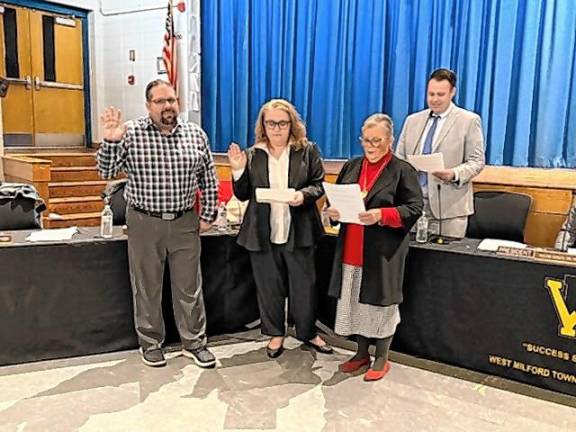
[
  {"x": 427, "y": 162},
  {"x": 265, "y": 195},
  {"x": 347, "y": 199}
]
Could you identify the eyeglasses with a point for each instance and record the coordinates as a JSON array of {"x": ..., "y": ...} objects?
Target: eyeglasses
[
  {"x": 169, "y": 101},
  {"x": 374, "y": 142},
  {"x": 282, "y": 124}
]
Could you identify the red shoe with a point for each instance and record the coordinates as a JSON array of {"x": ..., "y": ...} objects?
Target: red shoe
[
  {"x": 375, "y": 375},
  {"x": 353, "y": 365}
]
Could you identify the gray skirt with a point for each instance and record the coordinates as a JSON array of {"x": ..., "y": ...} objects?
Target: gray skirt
[{"x": 355, "y": 318}]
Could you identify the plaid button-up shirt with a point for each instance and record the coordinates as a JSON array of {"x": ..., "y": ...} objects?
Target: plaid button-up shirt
[{"x": 164, "y": 171}]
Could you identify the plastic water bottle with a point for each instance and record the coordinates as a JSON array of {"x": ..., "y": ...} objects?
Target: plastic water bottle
[
  {"x": 106, "y": 222},
  {"x": 325, "y": 218},
  {"x": 222, "y": 218},
  {"x": 422, "y": 229}
]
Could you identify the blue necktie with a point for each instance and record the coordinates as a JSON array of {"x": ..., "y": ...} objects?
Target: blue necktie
[{"x": 427, "y": 148}]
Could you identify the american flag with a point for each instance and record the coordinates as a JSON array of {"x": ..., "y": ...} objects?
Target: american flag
[{"x": 169, "y": 51}]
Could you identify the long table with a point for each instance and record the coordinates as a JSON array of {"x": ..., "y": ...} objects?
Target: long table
[
  {"x": 483, "y": 312},
  {"x": 509, "y": 317},
  {"x": 69, "y": 298}
]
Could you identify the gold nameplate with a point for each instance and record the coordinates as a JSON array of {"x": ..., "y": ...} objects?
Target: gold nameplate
[
  {"x": 515, "y": 252},
  {"x": 553, "y": 256},
  {"x": 538, "y": 254}
]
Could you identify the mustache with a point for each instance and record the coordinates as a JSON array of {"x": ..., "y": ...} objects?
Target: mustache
[{"x": 165, "y": 119}]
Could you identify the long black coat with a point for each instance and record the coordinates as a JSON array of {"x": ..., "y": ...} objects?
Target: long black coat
[
  {"x": 385, "y": 248},
  {"x": 305, "y": 174}
]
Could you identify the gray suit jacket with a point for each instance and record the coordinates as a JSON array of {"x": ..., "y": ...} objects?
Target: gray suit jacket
[{"x": 461, "y": 143}]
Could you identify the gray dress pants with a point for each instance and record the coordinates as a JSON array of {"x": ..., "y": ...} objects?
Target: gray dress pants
[{"x": 151, "y": 242}]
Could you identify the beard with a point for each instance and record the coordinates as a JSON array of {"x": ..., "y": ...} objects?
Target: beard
[{"x": 168, "y": 117}]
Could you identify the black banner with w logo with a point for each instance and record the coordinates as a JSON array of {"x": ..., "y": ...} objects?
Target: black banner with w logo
[{"x": 510, "y": 317}]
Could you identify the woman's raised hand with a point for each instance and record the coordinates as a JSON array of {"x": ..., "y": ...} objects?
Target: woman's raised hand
[{"x": 236, "y": 157}]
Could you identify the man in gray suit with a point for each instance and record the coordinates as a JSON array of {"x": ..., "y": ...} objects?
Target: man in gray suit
[{"x": 457, "y": 134}]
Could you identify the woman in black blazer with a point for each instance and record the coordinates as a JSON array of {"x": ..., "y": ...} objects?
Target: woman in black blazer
[
  {"x": 281, "y": 236},
  {"x": 369, "y": 259}
]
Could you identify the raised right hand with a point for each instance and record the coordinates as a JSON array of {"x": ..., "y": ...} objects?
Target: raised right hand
[
  {"x": 113, "y": 128},
  {"x": 236, "y": 157},
  {"x": 333, "y": 214}
]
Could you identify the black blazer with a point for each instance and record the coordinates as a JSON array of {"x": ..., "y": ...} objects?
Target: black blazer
[
  {"x": 385, "y": 248},
  {"x": 305, "y": 174}
]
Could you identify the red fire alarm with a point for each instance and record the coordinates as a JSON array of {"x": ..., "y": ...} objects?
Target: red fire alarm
[{"x": 131, "y": 80}]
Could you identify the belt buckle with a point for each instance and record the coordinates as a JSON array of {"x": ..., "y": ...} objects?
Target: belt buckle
[{"x": 168, "y": 216}]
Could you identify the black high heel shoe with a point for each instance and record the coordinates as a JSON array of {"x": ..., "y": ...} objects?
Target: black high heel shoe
[
  {"x": 322, "y": 349},
  {"x": 274, "y": 353}
]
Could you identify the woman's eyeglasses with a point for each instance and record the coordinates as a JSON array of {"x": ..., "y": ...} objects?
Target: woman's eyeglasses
[
  {"x": 282, "y": 124},
  {"x": 374, "y": 142}
]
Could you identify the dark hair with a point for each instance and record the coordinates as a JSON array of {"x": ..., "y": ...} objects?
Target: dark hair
[
  {"x": 443, "y": 74},
  {"x": 155, "y": 83}
]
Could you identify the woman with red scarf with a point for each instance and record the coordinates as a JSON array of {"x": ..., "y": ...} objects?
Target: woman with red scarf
[{"x": 369, "y": 260}]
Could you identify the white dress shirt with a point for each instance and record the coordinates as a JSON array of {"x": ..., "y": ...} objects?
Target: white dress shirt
[
  {"x": 441, "y": 122},
  {"x": 280, "y": 217}
]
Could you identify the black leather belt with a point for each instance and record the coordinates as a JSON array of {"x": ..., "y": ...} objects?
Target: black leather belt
[{"x": 169, "y": 216}]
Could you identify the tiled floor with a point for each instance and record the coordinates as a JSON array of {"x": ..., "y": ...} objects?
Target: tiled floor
[{"x": 300, "y": 391}]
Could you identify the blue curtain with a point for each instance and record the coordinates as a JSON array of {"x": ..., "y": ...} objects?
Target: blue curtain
[{"x": 340, "y": 60}]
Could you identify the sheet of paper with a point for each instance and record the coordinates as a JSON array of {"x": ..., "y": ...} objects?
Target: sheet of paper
[
  {"x": 428, "y": 162},
  {"x": 347, "y": 199},
  {"x": 52, "y": 234},
  {"x": 493, "y": 244},
  {"x": 571, "y": 251},
  {"x": 265, "y": 195}
]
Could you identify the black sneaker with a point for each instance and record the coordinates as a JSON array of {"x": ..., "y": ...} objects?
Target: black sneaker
[
  {"x": 153, "y": 357},
  {"x": 201, "y": 356}
]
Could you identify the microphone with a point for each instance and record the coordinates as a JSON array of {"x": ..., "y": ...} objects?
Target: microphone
[{"x": 439, "y": 239}]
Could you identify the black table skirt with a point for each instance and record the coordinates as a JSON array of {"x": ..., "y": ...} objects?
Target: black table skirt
[
  {"x": 63, "y": 300},
  {"x": 481, "y": 312},
  {"x": 462, "y": 307}
]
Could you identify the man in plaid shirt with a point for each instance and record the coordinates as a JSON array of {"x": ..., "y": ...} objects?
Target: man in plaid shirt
[{"x": 167, "y": 162}]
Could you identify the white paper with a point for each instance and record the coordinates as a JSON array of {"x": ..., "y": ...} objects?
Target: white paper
[
  {"x": 347, "y": 199},
  {"x": 428, "y": 162},
  {"x": 52, "y": 234},
  {"x": 493, "y": 244},
  {"x": 571, "y": 251},
  {"x": 265, "y": 195}
]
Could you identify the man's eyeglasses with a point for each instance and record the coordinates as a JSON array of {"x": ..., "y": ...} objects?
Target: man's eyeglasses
[
  {"x": 282, "y": 124},
  {"x": 374, "y": 142},
  {"x": 169, "y": 101}
]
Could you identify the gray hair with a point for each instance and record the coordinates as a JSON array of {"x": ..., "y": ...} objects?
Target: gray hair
[{"x": 379, "y": 118}]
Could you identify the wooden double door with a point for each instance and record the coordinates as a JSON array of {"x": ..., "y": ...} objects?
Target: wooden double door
[{"x": 41, "y": 55}]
